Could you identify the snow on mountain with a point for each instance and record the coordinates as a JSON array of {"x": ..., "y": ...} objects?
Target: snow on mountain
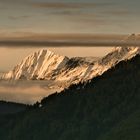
[
  {"x": 46, "y": 65},
  {"x": 1, "y": 74},
  {"x": 110, "y": 60},
  {"x": 37, "y": 65},
  {"x": 117, "y": 55},
  {"x": 85, "y": 73}
]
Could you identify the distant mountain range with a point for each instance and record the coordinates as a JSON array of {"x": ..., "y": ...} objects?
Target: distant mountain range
[{"x": 46, "y": 65}]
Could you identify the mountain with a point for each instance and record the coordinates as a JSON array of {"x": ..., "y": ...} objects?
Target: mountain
[
  {"x": 100, "y": 66},
  {"x": 1, "y": 74},
  {"x": 37, "y": 65},
  {"x": 46, "y": 65},
  {"x": 106, "y": 108}
]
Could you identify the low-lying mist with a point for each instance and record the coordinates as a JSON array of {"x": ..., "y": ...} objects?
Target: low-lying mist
[{"x": 27, "y": 92}]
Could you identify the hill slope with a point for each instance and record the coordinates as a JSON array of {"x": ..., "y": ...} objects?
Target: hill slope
[
  {"x": 104, "y": 109},
  {"x": 11, "y": 108}
]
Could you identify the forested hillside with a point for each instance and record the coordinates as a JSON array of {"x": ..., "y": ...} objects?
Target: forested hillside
[{"x": 106, "y": 108}]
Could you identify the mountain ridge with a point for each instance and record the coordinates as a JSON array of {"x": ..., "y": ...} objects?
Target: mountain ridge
[
  {"x": 106, "y": 108},
  {"x": 46, "y": 65}
]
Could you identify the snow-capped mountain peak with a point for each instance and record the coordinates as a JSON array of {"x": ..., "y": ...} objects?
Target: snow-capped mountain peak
[
  {"x": 47, "y": 65},
  {"x": 117, "y": 55},
  {"x": 37, "y": 65}
]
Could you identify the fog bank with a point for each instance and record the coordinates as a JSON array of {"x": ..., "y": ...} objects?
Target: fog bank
[{"x": 23, "y": 92}]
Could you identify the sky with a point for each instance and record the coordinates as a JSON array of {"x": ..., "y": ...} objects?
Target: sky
[
  {"x": 70, "y": 16},
  {"x": 63, "y": 20}
]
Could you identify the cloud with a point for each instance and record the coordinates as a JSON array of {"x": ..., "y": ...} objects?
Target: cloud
[
  {"x": 19, "y": 17},
  {"x": 117, "y": 12},
  {"x": 67, "y": 5},
  {"x": 9, "y": 43},
  {"x": 57, "y": 36},
  {"x": 24, "y": 92},
  {"x": 58, "y": 40},
  {"x": 64, "y": 40},
  {"x": 28, "y": 95}
]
